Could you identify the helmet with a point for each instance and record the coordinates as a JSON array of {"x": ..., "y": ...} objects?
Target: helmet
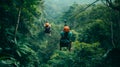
[
  {"x": 47, "y": 24},
  {"x": 66, "y": 29}
]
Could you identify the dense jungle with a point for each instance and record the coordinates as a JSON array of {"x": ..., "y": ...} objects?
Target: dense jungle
[{"x": 95, "y": 27}]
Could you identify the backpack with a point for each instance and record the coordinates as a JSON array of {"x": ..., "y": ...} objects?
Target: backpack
[{"x": 65, "y": 37}]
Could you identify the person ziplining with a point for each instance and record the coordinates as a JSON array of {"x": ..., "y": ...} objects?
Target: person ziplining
[
  {"x": 47, "y": 27},
  {"x": 65, "y": 40}
]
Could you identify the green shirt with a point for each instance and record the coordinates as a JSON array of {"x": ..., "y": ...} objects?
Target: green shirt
[{"x": 66, "y": 36}]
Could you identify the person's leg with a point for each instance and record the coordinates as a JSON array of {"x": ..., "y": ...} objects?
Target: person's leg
[
  {"x": 69, "y": 46},
  {"x": 60, "y": 45}
]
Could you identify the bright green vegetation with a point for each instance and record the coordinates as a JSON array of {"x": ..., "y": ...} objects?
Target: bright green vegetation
[{"x": 95, "y": 41}]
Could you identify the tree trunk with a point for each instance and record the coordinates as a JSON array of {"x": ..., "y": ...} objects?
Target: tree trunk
[
  {"x": 16, "y": 28},
  {"x": 112, "y": 35}
]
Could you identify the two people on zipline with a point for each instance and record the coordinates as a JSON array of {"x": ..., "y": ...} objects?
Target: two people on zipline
[{"x": 66, "y": 34}]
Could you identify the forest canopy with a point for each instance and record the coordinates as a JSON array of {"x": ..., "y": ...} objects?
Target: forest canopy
[{"x": 95, "y": 27}]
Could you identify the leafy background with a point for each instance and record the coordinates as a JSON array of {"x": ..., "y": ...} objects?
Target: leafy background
[{"x": 95, "y": 41}]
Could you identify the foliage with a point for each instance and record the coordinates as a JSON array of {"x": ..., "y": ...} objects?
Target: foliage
[
  {"x": 61, "y": 58},
  {"x": 87, "y": 55},
  {"x": 95, "y": 30},
  {"x": 82, "y": 55},
  {"x": 17, "y": 53}
]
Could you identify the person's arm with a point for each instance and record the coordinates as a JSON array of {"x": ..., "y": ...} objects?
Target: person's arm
[{"x": 70, "y": 35}]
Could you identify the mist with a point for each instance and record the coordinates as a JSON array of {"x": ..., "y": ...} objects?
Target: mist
[{"x": 54, "y": 8}]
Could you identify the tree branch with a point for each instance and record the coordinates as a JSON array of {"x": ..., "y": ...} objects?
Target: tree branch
[
  {"x": 16, "y": 28},
  {"x": 111, "y": 5}
]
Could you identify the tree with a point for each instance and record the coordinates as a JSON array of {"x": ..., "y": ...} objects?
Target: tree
[
  {"x": 114, "y": 4},
  {"x": 13, "y": 35}
]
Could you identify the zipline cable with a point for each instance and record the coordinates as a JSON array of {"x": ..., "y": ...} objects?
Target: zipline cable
[{"x": 84, "y": 9}]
